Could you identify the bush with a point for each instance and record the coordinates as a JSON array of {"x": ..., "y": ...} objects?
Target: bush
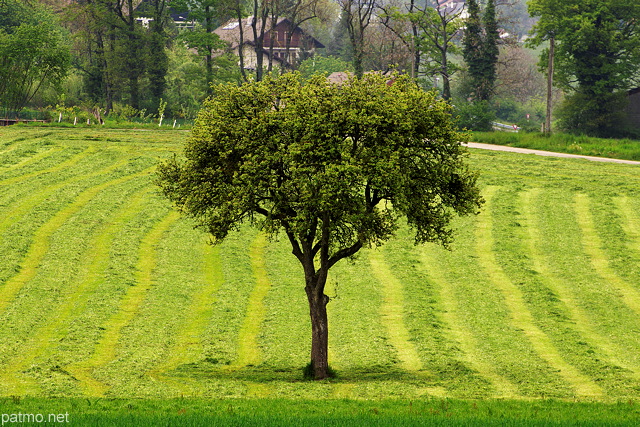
[
  {"x": 475, "y": 115},
  {"x": 603, "y": 116}
]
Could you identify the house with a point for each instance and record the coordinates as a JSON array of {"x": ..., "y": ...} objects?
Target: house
[
  {"x": 275, "y": 41},
  {"x": 453, "y": 7},
  {"x": 144, "y": 8}
]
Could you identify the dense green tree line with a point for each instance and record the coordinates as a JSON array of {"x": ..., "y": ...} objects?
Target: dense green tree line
[
  {"x": 597, "y": 58},
  {"x": 102, "y": 56},
  {"x": 33, "y": 53}
]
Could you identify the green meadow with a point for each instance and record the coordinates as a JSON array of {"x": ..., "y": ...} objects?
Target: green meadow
[{"x": 113, "y": 304}]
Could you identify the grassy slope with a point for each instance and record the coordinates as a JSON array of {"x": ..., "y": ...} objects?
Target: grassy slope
[
  {"x": 626, "y": 149},
  {"x": 105, "y": 292}
]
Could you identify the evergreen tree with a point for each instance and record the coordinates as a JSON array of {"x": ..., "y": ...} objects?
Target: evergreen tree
[
  {"x": 489, "y": 51},
  {"x": 480, "y": 49}
]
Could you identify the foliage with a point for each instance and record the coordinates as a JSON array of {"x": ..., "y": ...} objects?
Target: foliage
[
  {"x": 356, "y": 16},
  {"x": 480, "y": 51},
  {"x": 596, "y": 55},
  {"x": 87, "y": 242},
  {"x": 33, "y": 53},
  {"x": 208, "y": 14},
  {"x": 603, "y": 116},
  {"x": 323, "y": 64},
  {"x": 430, "y": 34},
  {"x": 474, "y": 115},
  {"x": 333, "y": 167}
]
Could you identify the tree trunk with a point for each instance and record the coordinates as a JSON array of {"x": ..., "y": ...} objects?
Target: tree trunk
[
  {"x": 319, "y": 328},
  {"x": 209, "y": 59},
  {"x": 547, "y": 122}
]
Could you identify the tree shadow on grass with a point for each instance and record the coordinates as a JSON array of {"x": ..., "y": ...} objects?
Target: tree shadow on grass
[{"x": 213, "y": 369}]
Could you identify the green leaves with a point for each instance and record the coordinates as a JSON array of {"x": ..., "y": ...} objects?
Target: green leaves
[
  {"x": 596, "y": 53},
  {"x": 308, "y": 157},
  {"x": 33, "y": 54}
]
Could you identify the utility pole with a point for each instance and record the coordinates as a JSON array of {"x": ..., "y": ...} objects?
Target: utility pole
[{"x": 547, "y": 123}]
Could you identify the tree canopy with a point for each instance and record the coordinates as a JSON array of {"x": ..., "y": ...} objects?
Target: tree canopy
[
  {"x": 480, "y": 49},
  {"x": 332, "y": 167},
  {"x": 33, "y": 52},
  {"x": 597, "y": 54}
]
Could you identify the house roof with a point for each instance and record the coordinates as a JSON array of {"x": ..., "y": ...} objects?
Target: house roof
[{"x": 230, "y": 31}]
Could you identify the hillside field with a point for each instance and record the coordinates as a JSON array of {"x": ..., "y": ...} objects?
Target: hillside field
[{"x": 105, "y": 291}]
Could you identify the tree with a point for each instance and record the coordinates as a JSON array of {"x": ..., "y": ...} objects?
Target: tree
[
  {"x": 208, "y": 13},
  {"x": 597, "y": 56},
  {"x": 356, "y": 15},
  {"x": 122, "y": 61},
  {"x": 323, "y": 64},
  {"x": 157, "y": 41},
  {"x": 430, "y": 33},
  {"x": 332, "y": 167},
  {"x": 480, "y": 49},
  {"x": 33, "y": 53}
]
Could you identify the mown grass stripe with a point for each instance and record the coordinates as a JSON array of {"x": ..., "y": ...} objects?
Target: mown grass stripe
[
  {"x": 129, "y": 307},
  {"x": 24, "y": 162},
  {"x": 461, "y": 334},
  {"x": 41, "y": 238},
  {"x": 631, "y": 222},
  {"x": 38, "y": 197},
  {"x": 520, "y": 314},
  {"x": 88, "y": 279},
  {"x": 392, "y": 312},
  {"x": 60, "y": 166},
  {"x": 592, "y": 246},
  {"x": 582, "y": 322},
  {"x": 188, "y": 346},
  {"x": 248, "y": 347}
]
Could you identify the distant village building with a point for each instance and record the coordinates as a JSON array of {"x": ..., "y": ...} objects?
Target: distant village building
[
  {"x": 274, "y": 42},
  {"x": 453, "y": 7}
]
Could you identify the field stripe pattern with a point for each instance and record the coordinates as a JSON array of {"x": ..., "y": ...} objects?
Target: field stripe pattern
[{"x": 107, "y": 291}]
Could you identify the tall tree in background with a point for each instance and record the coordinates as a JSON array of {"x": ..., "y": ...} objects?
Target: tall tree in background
[
  {"x": 131, "y": 50},
  {"x": 298, "y": 12},
  {"x": 333, "y": 168},
  {"x": 480, "y": 49},
  {"x": 157, "y": 41},
  {"x": 357, "y": 15},
  {"x": 597, "y": 56},
  {"x": 430, "y": 32},
  {"x": 209, "y": 14},
  {"x": 490, "y": 50},
  {"x": 120, "y": 57},
  {"x": 33, "y": 52}
]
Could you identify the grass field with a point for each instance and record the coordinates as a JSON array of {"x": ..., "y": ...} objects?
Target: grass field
[
  {"x": 105, "y": 292},
  {"x": 625, "y": 149}
]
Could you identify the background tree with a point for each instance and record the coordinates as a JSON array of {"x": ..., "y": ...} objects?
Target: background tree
[
  {"x": 323, "y": 64},
  {"x": 431, "y": 31},
  {"x": 480, "y": 50},
  {"x": 357, "y": 15},
  {"x": 157, "y": 42},
  {"x": 33, "y": 53},
  {"x": 209, "y": 14},
  {"x": 331, "y": 167},
  {"x": 597, "y": 56}
]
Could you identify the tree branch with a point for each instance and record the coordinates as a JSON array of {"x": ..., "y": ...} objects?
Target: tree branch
[{"x": 344, "y": 253}]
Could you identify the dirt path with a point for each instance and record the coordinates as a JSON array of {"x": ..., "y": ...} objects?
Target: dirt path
[{"x": 546, "y": 153}]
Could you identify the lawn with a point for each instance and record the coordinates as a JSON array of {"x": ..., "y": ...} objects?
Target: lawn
[
  {"x": 626, "y": 149},
  {"x": 108, "y": 297}
]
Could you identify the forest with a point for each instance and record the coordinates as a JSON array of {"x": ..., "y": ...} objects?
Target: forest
[{"x": 123, "y": 60}]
